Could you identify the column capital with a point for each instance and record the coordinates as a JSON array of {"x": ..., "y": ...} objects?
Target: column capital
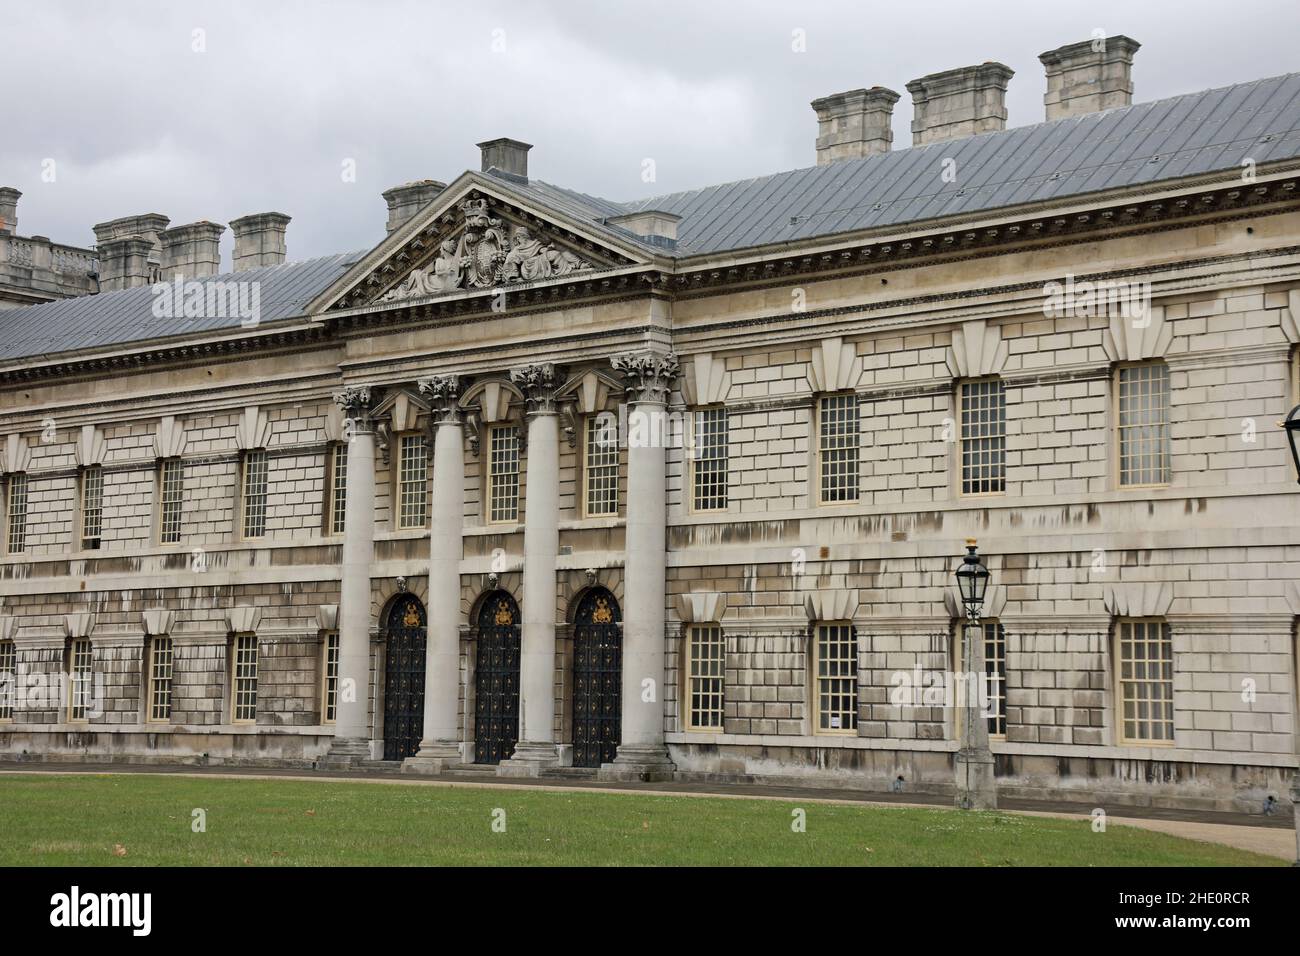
[
  {"x": 539, "y": 383},
  {"x": 358, "y": 403},
  {"x": 443, "y": 393},
  {"x": 648, "y": 375}
]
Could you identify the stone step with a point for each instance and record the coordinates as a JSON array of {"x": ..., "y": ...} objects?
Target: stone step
[
  {"x": 393, "y": 765},
  {"x": 475, "y": 770},
  {"x": 571, "y": 773}
]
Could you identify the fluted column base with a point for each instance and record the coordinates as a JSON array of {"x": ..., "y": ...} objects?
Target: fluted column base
[
  {"x": 638, "y": 764},
  {"x": 530, "y": 759}
]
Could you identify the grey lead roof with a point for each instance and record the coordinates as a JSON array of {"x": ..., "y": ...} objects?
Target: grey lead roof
[
  {"x": 1167, "y": 139},
  {"x": 111, "y": 318},
  {"x": 1214, "y": 130}
]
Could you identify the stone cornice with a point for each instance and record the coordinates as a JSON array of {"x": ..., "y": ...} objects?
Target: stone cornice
[{"x": 1131, "y": 212}]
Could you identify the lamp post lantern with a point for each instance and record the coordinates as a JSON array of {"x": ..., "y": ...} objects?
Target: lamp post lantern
[
  {"x": 1292, "y": 425},
  {"x": 976, "y": 787}
]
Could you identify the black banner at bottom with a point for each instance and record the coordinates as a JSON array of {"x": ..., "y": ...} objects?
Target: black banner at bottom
[{"x": 340, "y": 904}]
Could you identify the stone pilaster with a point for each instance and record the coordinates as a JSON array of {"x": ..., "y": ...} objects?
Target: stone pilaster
[
  {"x": 351, "y": 732},
  {"x": 642, "y": 753},
  {"x": 440, "y": 746},
  {"x": 537, "y": 748}
]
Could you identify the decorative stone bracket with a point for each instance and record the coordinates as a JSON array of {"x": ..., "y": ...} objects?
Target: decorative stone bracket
[
  {"x": 1290, "y": 319},
  {"x": 995, "y": 602},
  {"x": 78, "y": 625},
  {"x": 327, "y": 617},
  {"x": 1138, "y": 338},
  {"x": 1134, "y": 599},
  {"x": 701, "y": 607},
  {"x": 18, "y": 455},
  {"x": 254, "y": 429},
  {"x": 158, "y": 621},
  {"x": 706, "y": 381},
  {"x": 835, "y": 366},
  {"x": 243, "y": 619},
  {"x": 831, "y": 605},
  {"x": 90, "y": 447},
  {"x": 977, "y": 349},
  {"x": 169, "y": 439}
]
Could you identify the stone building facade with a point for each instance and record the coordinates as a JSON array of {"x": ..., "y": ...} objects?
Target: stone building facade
[{"x": 544, "y": 482}]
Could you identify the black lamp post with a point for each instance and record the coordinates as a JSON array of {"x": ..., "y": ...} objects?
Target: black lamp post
[
  {"x": 976, "y": 788},
  {"x": 973, "y": 580},
  {"x": 1292, "y": 425}
]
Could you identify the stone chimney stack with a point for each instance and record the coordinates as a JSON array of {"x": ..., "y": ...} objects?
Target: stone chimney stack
[
  {"x": 1089, "y": 76},
  {"x": 259, "y": 240},
  {"x": 125, "y": 263},
  {"x": 129, "y": 250},
  {"x": 854, "y": 124},
  {"x": 958, "y": 103},
  {"x": 192, "y": 251},
  {"x": 406, "y": 200},
  {"x": 508, "y": 156},
  {"x": 9, "y": 210}
]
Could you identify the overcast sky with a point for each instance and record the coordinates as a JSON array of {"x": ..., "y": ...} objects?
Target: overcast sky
[{"x": 261, "y": 110}]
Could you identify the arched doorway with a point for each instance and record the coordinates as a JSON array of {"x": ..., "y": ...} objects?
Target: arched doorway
[
  {"x": 597, "y": 678},
  {"x": 496, "y": 679},
  {"x": 405, "y": 636}
]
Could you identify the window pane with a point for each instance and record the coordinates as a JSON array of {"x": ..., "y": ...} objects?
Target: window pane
[
  {"x": 706, "y": 661},
  {"x": 710, "y": 459},
  {"x": 995, "y": 671},
  {"x": 330, "y": 708},
  {"x": 244, "y": 671},
  {"x": 17, "y": 517},
  {"x": 413, "y": 484},
  {"x": 983, "y": 438},
  {"x": 160, "y": 679},
  {"x": 503, "y": 474},
  {"x": 338, "y": 494},
  {"x": 837, "y": 447},
  {"x": 600, "y": 474},
  {"x": 1146, "y": 681},
  {"x": 1144, "y": 424},
  {"x": 836, "y": 688},
  {"x": 92, "y": 506},
  {"x": 8, "y": 679},
  {"x": 79, "y": 677},
  {"x": 171, "y": 479},
  {"x": 255, "y": 469}
]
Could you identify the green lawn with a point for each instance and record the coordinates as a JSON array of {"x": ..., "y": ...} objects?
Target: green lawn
[{"x": 140, "y": 819}]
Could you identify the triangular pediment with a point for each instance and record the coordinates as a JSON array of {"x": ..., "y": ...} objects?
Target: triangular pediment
[{"x": 478, "y": 236}]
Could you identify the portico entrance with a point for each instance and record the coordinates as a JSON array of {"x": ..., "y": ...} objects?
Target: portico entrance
[
  {"x": 597, "y": 678},
  {"x": 496, "y": 679},
  {"x": 404, "y": 635}
]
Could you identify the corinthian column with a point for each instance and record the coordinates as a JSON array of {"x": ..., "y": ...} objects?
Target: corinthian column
[
  {"x": 351, "y": 729},
  {"x": 536, "y": 748},
  {"x": 642, "y": 754},
  {"x": 440, "y": 746}
]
